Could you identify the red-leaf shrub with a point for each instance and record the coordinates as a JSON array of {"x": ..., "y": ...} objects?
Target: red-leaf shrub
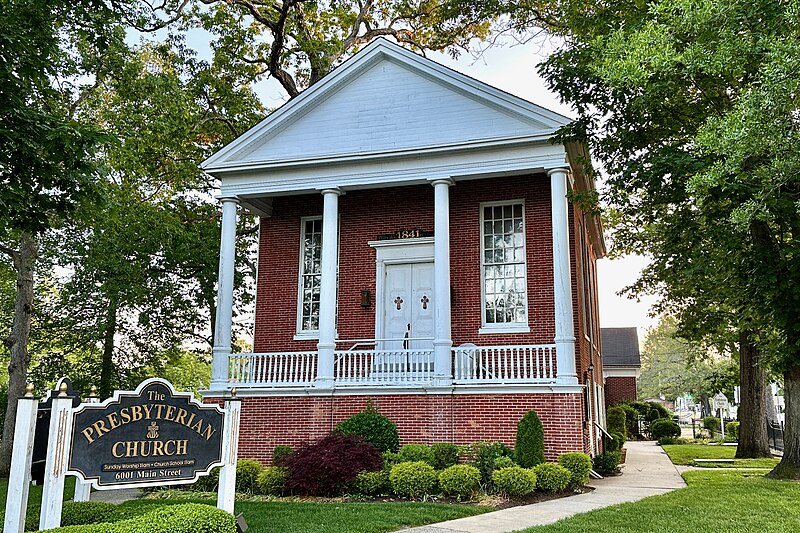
[{"x": 329, "y": 466}]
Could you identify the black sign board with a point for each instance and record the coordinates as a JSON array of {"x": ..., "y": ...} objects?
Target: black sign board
[{"x": 147, "y": 437}]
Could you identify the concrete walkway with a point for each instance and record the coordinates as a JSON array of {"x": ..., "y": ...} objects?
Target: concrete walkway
[{"x": 647, "y": 472}]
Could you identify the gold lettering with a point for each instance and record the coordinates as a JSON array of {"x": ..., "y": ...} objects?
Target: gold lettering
[
  {"x": 170, "y": 412},
  {"x": 208, "y": 432},
  {"x": 166, "y": 447},
  {"x": 145, "y": 448},
  {"x": 180, "y": 418},
  {"x": 126, "y": 417},
  {"x": 136, "y": 413},
  {"x": 88, "y": 434},
  {"x": 159, "y": 408},
  {"x": 100, "y": 428},
  {"x": 198, "y": 427},
  {"x": 158, "y": 448},
  {"x": 132, "y": 449},
  {"x": 113, "y": 421},
  {"x": 189, "y": 423},
  {"x": 180, "y": 447},
  {"x": 148, "y": 410},
  {"x": 114, "y": 449}
]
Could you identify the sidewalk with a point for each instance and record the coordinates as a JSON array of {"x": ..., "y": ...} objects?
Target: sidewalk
[{"x": 647, "y": 472}]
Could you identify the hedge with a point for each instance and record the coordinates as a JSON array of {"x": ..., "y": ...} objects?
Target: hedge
[
  {"x": 459, "y": 480},
  {"x": 579, "y": 465},
  {"x": 372, "y": 427},
  {"x": 514, "y": 481},
  {"x": 414, "y": 479},
  {"x": 552, "y": 477}
]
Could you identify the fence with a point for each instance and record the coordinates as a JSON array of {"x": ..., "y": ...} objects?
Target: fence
[{"x": 775, "y": 435}]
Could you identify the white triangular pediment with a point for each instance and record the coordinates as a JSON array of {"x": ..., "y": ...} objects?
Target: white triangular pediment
[{"x": 386, "y": 100}]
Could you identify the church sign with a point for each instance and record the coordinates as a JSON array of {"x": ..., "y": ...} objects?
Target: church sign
[{"x": 148, "y": 437}]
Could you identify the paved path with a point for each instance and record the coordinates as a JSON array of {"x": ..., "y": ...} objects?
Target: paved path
[
  {"x": 115, "y": 496},
  {"x": 647, "y": 472}
]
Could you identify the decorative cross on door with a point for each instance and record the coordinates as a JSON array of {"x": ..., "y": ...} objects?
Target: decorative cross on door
[
  {"x": 424, "y": 301},
  {"x": 398, "y": 301}
]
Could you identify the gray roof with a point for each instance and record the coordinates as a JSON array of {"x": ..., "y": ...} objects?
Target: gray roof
[{"x": 620, "y": 346}]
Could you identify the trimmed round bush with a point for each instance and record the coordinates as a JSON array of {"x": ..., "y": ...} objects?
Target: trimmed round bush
[
  {"x": 417, "y": 452},
  {"x": 372, "y": 483},
  {"x": 459, "y": 481},
  {"x": 372, "y": 427},
  {"x": 330, "y": 466},
  {"x": 414, "y": 478},
  {"x": 280, "y": 453},
  {"x": 732, "y": 430},
  {"x": 552, "y": 477},
  {"x": 664, "y": 427},
  {"x": 711, "y": 423},
  {"x": 444, "y": 454},
  {"x": 614, "y": 443},
  {"x": 247, "y": 471},
  {"x": 606, "y": 463},
  {"x": 579, "y": 465},
  {"x": 529, "y": 447},
  {"x": 504, "y": 461},
  {"x": 615, "y": 421},
  {"x": 514, "y": 481},
  {"x": 272, "y": 480}
]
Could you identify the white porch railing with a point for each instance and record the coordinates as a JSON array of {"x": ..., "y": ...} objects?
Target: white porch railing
[
  {"x": 535, "y": 363},
  {"x": 472, "y": 365}
]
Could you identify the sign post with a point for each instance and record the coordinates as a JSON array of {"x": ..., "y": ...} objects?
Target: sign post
[
  {"x": 230, "y": 445},
  {"x": 721, "y": 402},
  {"x": 56, "y": 465},
  {"x": 19, "y": 480}
]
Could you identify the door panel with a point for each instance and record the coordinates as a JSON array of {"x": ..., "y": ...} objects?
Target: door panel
[{"x": 408, "y": 305}]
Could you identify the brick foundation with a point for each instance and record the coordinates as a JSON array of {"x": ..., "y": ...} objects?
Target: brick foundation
[
  {"x": 619, "y": 389},
  {"x": 420, "y": 418}
]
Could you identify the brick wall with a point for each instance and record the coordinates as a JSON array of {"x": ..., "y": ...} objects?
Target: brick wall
[
  {"x": 421, "y": 418},
  {"x": 619, "y": 388}
]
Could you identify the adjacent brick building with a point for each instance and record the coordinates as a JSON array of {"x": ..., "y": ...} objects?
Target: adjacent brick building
[
  {"x": 621, "y": 363},
  {"x": 417, "y": 250}
]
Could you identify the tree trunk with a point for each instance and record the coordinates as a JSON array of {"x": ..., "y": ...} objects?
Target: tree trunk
[
  {"x": 705, "y": 406},
  {"x": 753, "y": 441},
  {"x": 789, "y": 467},
  {"x": 107, "y": 369},
  {"x": 17, "y": 343}
]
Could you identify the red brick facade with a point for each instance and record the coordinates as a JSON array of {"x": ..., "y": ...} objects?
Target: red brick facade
[
  {"x": 420, "y": 418},
  {"x": 619, "y": 389}
]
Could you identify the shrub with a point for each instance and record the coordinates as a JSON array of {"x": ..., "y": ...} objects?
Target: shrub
[
  {"x": 504, "y": 462},
  {"x": 330, "y": 465},
  {"x": 615, "y": 421},
  {"x": 732, "y": 430},
  {"x": 514, "y": 481},
  {"x": 415, "y": 479},
  {"x": 664, "y": 427},
  {"x": 607, "y": 463},
  {"x": 631, "y": 420},
  {"x": 445, "y": 454},
  {"x": 579, "y": 465},
  {"x": 272, "y": 480},
  {"x": 529, "y": 446},
  {"x": 280, "y": 453},
  {"x": 660, "y": 411},
  {"x": 207, "y": 483},
  {"x": 711, "y": 423},
  {"x": 371, "y": 483},
  {"x": 552, "y": 477},
  {"x": 614, "y": 443},
  {"x": 247, "y": 471},
  {"x": 77, "y": 513},
  {"x": 485, "y": 455},
  {"x": 417, "y": 452},
  {"x": 459, "y": 480},
  {"x": 372, "y": 427},
  {"x": 672, "y": 440}
]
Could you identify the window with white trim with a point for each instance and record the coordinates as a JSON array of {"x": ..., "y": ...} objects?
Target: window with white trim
[
  {"x": 310, "y": 275},
  {"x": 503, "y": 266}
]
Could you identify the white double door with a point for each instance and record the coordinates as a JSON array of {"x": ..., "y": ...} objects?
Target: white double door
[{"x": 408, "y": 306}]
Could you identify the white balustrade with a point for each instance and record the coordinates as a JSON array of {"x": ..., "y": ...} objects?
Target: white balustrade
[
  {"x": 383, "y": 367},
  {"x": 505, "y": 364},
  {"x": 291, "y": 369}
]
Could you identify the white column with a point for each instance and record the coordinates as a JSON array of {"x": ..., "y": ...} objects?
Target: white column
[
  {"x": 327, "y": 290},
  {"x": 19, "y": 480},
  {"x": 442, "y": 342},
  {"x": 226, "y": 493},
  {"x": 57, "y": 460},
  {"x": 562, "y": 279},
  {"x": 224, "y": 318}
]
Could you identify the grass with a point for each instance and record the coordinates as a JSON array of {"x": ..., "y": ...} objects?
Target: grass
[
  {"x": 715, "y": 501},
  {"x": 684, "y": 454},
  {"x": 34, "y": 496}
]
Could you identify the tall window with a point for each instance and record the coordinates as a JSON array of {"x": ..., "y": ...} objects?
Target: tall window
[
  {"x": 310, "y": 275},
  {"x": 505, "y": 295}
]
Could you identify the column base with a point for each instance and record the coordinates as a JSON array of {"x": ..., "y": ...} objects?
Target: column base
[
  {"x": 219, "y": 368},
  {"x": 442, "y": 362}
]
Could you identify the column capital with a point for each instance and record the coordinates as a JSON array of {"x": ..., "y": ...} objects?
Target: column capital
[
  {"x": 228, "y": 199},
  {"x": 441, "y": 181},
  {"x": 331, "y": 190},
  {"x": 551, "y": 171}
]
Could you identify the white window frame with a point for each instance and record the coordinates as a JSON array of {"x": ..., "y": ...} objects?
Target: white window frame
[
  {"x": 303, "y": 334},
  {"x": 505, "y": 327}
]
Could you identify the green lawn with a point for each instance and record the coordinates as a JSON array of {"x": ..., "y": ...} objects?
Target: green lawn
[
  {"x": 684, "y": 454},
  {"x": 715, "y": 501}
]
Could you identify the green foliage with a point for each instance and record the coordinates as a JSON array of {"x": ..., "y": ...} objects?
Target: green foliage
[
  {"x": 579, "y": 465},
  {"x": 444, "y": 454},
  {"x": 514, "y": 481},
  {"x": 414, "y": 479},
  {"x": 631, "y": 420},
  {"x": 459, "y": 481},
  {"x": 711, "y": 423},
  {"x": 607, "y": 463},
  {"x": 614, "y": 443},
  {"x": 552, "y": 477},
  {"x": 372, "y": 427},
  {"x": 372, "y": 483},
  {"x": 486, "y": 453},
  {"x": 616, "y": 421},
  {"x": 664, "y": 427},
  {"x": 206, "y": 483},
  {"x": 672, "y": 440},
  {"x": 504, "y": 461},
  {"x": 418, "y": 452},
  {"x": 656, "y": 411},
  {"x": 280, "y": 453},
  {"x": 529, "y": 447},
  {"x": 732, "y": 430},
  {"x": 247, "y": 473},
  {"x": 272, "y": 480}
]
